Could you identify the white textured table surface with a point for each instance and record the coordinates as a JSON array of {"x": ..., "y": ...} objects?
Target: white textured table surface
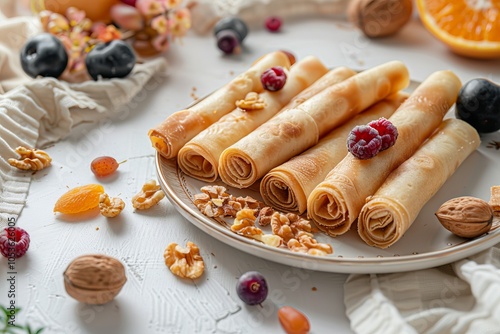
[{"x": 153, "y": 300}]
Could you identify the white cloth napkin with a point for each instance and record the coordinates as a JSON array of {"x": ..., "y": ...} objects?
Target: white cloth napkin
[
  {"x": 463, "y": 297},
  {"x": 36, "y": 112}
]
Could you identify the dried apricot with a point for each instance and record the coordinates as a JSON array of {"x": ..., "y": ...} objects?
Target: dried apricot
[
  {"x": 293, "y": 321},
  {"x": 79, "y": 199}
]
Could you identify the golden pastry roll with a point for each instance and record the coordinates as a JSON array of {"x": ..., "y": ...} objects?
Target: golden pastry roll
[
  {"x": 329, "y": 79},
  {"x": 294, "y": 130},
  {"x": 287, "y": 186},
  {"x": 176, "y": 130},
  {"x": 199, "y": 158},
  {"x": 389, "y": 213},
  {"x": 336, "y": 202}
]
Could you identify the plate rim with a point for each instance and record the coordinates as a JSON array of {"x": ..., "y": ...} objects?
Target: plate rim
[{"x": 318, "y": 263}]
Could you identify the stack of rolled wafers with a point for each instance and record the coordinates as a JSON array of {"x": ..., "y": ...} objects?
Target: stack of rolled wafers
[{"x": 295, "y": 144}]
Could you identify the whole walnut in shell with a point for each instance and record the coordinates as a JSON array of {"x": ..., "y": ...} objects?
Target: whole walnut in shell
[
  {"x": 379, "y": 18},
  {"x": 94, "y": 279}
]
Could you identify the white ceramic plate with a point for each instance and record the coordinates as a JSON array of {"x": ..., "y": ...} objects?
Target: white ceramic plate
[{"x": 426, "y": 244}]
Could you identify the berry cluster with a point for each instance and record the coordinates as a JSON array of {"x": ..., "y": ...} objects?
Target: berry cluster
[{"x": 366, "y": 141}]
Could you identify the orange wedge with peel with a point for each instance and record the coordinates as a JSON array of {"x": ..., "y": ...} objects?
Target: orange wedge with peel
[
  {"x": 468, "y": 27},
  {"x": 79, "y": 199}
]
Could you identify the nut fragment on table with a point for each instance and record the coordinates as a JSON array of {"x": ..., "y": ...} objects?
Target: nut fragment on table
[
  {"x": 495, "y": 200},
  {"x": 304, "y": 242},
  {"x": 149, "y": 196},
  {"x": 30, "y": 159},
  {"x": 466, "y": 216},
  {"x": 110, "y": 206},
  {"x": 185, "y": 262},
  {"x": 94, "y": 279},
  {"x": 252, "y": 101}
]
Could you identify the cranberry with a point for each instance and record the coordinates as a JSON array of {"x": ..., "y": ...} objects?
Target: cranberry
[
  {"x": 14, "y": 242},
  {"x": 364, "y": 142},
  {"x": 273, "y": 23},
  {"x": 273, "y": 79},
  {"x": 386, "y": 130}
]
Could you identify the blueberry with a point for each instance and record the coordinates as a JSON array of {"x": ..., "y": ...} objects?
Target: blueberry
[
  {"x": 44, "y": 55},
  {"x": 227, "y": 42},
  {"x": 478, "y": 104},
  {"x": 232, "y": 23},
  {"x": 114, "y": 59}
]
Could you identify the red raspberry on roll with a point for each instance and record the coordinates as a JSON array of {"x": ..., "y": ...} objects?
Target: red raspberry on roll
[
  {"x": 364, "y": 142},
  {"x": 386, "y": 130}
]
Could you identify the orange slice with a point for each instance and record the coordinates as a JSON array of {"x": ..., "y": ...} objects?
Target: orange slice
[
  {"x": 79, "y": 199},
  {"x": 469, "y": 27}
]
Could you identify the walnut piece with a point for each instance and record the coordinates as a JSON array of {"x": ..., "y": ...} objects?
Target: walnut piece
[
  {"x": 110, "y": 206},
  {"x": 149, "y": 196},
  {"x": 244, "y": 224},
  {"x": 185, "y": 262},
  {"x": 252, "y": 101},
  {"x": 214, "y": 201},
  {"x": 288, "y": 225},
  {"x": 30, "y": 159},
  {"x": 264, "y": 217},
  {"x": 495, "y": 200},
  {"x": 304, "y": 242}
]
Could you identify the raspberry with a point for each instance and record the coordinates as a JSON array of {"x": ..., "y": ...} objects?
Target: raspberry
[
  {"x": 273, "y": 23},
  {"x": 14, "y": 242},
  {"x": 273, "y": 79},
  {"x": 364, "y": 142},
  {"x": 386, "y": 130}
]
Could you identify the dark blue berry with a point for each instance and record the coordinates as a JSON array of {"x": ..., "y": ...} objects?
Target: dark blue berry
[
  {"x": 44, "y": 55},
  {"x": 478, "y": 104},
  {"x": 114, "y": 59},
  {"x": 232, "y": 23},
  {"x": 228, "y": 42}
]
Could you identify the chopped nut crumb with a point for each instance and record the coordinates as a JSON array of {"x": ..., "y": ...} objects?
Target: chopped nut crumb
[
  {"x": 214, "y": 201},
  {"x": 30, "y": 159},
  {"x": 264, "y": 217},
  {"x": 252, "y": 101}
]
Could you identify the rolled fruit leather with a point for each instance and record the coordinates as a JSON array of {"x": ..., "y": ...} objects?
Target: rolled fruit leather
[
  {"x": 336, "y": 202},
  {"x": 291, "y": 132},
  {"x": 390, "y": 212},
  {"x": 177, "y": 129},
  {"x": 199, "y": 158},
  {"x": 287, "y": 186}
]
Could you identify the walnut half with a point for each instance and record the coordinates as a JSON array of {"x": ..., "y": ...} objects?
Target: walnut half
[
  {"x": 185, "y": 262},
  {"x": 110, "y": 206},
  {"x": 30, "y": 159},
  {"x": 149, "y": 196}
]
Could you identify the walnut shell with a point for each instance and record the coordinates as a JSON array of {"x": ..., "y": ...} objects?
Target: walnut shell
[
  {"x": 467, "y": 217},
  {"x": 94, "y": 279},
  {"x": 379, "y": 18}
]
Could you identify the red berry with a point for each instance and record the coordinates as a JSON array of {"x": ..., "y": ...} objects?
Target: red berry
[
  {"x": 104, "y": 166},
  {"x": 273, "y": 23},
  {"x": 386, "y": 130},
  {"x": 273, "y": 79},
  {"x": 14, "y": 242},
  {"x": 252, "y": 288},
  {"x": 364, "y": 142}
]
